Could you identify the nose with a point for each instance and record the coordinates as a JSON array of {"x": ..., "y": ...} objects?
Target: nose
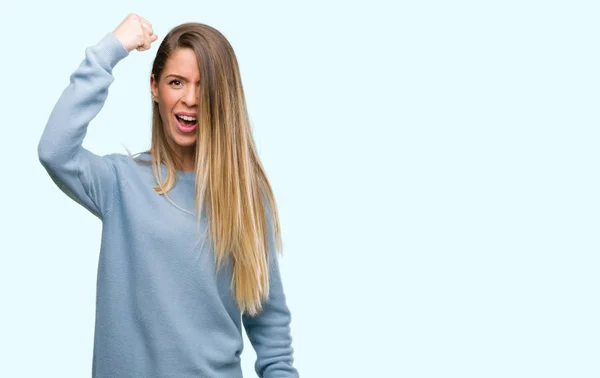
[{"x": 190, "y": 97}]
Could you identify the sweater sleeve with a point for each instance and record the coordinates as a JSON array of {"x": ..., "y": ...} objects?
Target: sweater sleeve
[
  {"x": 86, "y": 178},
  {"x": 269, "y": 330}
]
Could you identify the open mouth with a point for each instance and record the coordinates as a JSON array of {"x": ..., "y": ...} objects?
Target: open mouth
[{"x": 186, "y": 125}]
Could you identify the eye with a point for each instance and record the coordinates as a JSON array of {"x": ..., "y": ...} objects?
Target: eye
[{"x": 172, "y": 81}]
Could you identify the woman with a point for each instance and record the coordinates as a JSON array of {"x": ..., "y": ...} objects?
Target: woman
[{"x": 167, "y": 307}]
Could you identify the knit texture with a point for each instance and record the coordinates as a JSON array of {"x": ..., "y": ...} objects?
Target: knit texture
[{"x": 161, "y": 308}]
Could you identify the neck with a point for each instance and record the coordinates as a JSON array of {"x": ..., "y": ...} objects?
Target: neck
[
  {"x": 185, "y": 158},
  {"x": 185, "y": 162}
]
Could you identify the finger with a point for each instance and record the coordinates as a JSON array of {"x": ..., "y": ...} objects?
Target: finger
[
  {"x": 146, "y": 22},
  {"x": 149, "y": 32},
  {"x": 147, "y": 28},
  {"x": 147, "y": 35},
  {"x": 147, "y": 42},
  {"x": 145, "y": 45}
]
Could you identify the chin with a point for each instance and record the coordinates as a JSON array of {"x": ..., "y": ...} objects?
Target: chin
[{"x": 184, "y": 142}]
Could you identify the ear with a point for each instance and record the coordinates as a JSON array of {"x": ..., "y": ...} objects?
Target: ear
[{"x": 153, "y": 86}]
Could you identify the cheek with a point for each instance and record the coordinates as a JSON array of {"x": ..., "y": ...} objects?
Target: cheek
[
  {"x": 166, "y": 106},
  {"x": 168, "y": 103}
]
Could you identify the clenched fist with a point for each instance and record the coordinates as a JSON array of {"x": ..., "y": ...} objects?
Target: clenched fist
[{"x": 135, "y": 33}]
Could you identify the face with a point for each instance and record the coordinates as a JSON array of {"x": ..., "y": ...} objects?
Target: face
[{"x": 176, "y": 93}]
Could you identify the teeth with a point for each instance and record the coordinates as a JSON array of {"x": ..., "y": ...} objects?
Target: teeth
[{"x": 186, "y": 118}]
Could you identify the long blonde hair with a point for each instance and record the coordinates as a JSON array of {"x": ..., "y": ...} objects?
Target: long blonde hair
[{"x": 230, "y": 179}]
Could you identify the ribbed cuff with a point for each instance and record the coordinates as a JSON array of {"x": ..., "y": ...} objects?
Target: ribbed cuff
[{"x": 112, "y": 50}]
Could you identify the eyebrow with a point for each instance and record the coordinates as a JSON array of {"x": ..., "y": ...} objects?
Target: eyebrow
[{"x": 179, "y": 76}]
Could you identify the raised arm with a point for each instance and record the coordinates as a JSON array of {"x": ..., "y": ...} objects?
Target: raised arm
[{"x": 85, "y": 177}]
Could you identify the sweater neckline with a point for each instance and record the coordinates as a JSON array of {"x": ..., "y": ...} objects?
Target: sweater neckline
[
  {"x": 183, "y": 175},
  {"x": 187, "y": 175}
]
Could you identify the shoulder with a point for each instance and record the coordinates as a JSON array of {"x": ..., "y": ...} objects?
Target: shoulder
[
  {"x": 125, "y": 160},
  {"x": 127, "y": 167}
]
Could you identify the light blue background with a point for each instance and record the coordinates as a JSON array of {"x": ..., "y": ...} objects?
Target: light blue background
[{"x": 435, "y": 164}]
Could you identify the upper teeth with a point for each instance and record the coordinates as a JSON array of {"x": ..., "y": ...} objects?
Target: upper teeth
[{"x": 187, "y": 118}]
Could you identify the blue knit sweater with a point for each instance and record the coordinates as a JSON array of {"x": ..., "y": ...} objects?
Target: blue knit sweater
[{"x": 161, "y": 308}]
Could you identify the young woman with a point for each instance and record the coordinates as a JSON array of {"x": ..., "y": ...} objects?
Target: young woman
[{"x": 167, "y": 305}]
